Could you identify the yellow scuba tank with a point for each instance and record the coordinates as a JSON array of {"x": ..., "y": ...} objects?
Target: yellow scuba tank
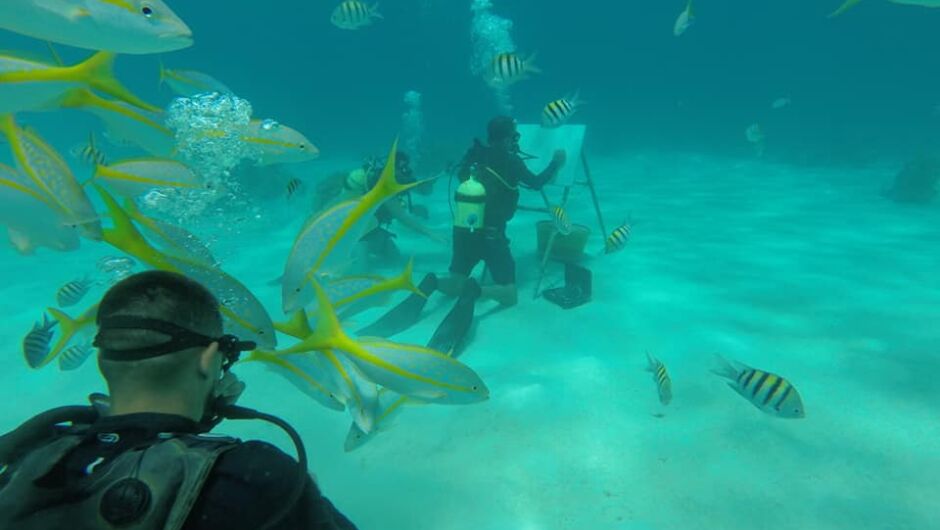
[{"x": 470, "y": 202}]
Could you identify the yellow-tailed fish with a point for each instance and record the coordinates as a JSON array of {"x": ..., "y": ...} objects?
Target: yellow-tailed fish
[
  {"x": 561, "y": 220},
  {"x": 684, "y": 21},
  {"x": 509, "y": 68},
  {"x": 243, "y": 313},
  {"x": 51, "y": 177},
  {"x": 410, "y": 370},
  {"x": 390, "y": 404},
  {"x": 849, "y": 4},
  {"x": 661, "y": 378},
  {"x": 766, "y": 391},
  {"x": 188, "y": 83},
  {"x": 171, "y": 239},
  {"x": 75, "y": 356},
  {"x": 70, "y": 328},
  {"x": 402, "y": 282},
  {"x": 359, "y": 394},
  {"x": 30, "y": 85},
  {"x": 37, "y": 343},
  {"x": 558, "y": 112},
  {"x": 32, "y": 219},
  {"x": 618, "y": 239},
  {"x": 133, "y": 178},
  {"x": 354, "y": 14},
  {"x": 126, "y": 123},
  {"x": 304, "y": 372},
  {"x": 72, "y": 292},
  {"x": 278, "y": 143},
  {"x": 326, "y": 242},
  {"x": 121, "y": 26}
]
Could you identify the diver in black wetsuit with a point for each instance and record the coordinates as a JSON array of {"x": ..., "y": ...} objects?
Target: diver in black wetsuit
[
  {"x": 499, "y": 167},
  {"x": 143, "y": 460}
]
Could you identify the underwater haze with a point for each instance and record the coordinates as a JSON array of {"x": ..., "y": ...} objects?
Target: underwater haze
[{"x": 772, "y": 171}]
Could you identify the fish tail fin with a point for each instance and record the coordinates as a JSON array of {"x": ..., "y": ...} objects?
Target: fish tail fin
[
  {"x": 405, "y": 281},
  {"x": 76, "y": 98},
  {"x": 849, "y": 4},
  {"x": 7, "y": 125},
  {"x": 725, "y": 368},
  {"x": 530, "y": 66},
  {"x": 98, "y": 72},
  {"x": 68, "y": 326},
  {"x": 328, "y": 327},
  {"x": 388, "y": 186},
  {"x": 651, "y": 362},
  {"x": 298, "y": 326},
  {"x": 124, "y": 236},
  {"x": 689, "y": 10}
]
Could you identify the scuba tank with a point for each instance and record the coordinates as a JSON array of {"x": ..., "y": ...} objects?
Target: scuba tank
[{"x": 470, "y": 199}]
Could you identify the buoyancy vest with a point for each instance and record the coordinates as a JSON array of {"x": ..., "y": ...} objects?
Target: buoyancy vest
[{"x": 150, "y": 487}]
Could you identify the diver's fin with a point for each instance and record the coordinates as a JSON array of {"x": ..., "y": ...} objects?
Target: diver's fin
[
  {"x": 405, "y": 314},
  {"x": 450, "y": 336}
]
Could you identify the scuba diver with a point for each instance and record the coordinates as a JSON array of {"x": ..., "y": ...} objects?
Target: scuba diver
[
  {"x": 379, "y": 241},
  {"x": 143, "y": 458},
  {"x": 487, "y": 199}
]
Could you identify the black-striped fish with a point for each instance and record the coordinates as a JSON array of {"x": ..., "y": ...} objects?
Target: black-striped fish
[
  {"x": 91, "y": 155},
  {"x": 509, "y": 68},
  {"x": 558, "y": 112},
  {"x": 617, "y": 239},
  {"x": 292, "y": 187},
  {"x": 36, "y": 342},
  {"x": 562, "y": 222},
  {"x": 73, "y": 292},
  {"x": 661, "y": 377},
  {"x": 769, "y": 392},
  {"x": 75, "y": 356},
  {"x": 353, "y": 14}
]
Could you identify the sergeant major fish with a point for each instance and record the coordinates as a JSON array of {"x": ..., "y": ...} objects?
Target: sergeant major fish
[
  {"x": 766, "y": 391},
  {"x": 36, "y": 343},
  {"x": 661, "y": 377},
  {"x": 75, "y": 356},
  {"x": 72, "y": 292},
  {"x": 558, "y": 112},
  {"x": 509, "y": 68},
  {"x": 617, "y": 239},
  {"x": 354, "y": 14},
  {"x": 561, "y": 220}
]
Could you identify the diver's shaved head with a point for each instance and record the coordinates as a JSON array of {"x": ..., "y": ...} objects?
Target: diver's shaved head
[{"x": 157, "y": 295}]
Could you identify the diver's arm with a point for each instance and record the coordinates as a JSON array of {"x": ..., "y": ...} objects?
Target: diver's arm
[
  {"x": 531, "y": 180},
  {"x": 400, "y": 214}
]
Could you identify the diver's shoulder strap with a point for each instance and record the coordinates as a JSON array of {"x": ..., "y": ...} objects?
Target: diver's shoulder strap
[{"x": 165, "y": 481}]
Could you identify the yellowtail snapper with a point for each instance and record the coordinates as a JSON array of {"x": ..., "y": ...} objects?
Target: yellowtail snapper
[
  {"x": 353, "y": 14},
  {"x": 36, "y": 342},
  {"x": 561, "y": 220},
  {"x": 661, "y": 377},
  {"x": 618, "y": 239},
  {"x": 768, "y": 392},
  {"x": 75, "y": 356},
  {"x": 73, "y": 292}
]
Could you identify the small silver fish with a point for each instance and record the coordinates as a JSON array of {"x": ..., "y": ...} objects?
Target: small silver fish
[
  {"x": 617, "y": 239},
  {"x": 768, "y": 392},
  {"x": 661, "y": 377},
  {"x": 562, "y": 222},
  {"x": 36, "y": 343},
  {"x": 73, "y": 292},
  {"x": 74, "y": 356}
]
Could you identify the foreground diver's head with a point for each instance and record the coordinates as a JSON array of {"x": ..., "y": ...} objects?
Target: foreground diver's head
[
  {"x": 502, "y": 134},
  {"x": 161, "y": 347}
]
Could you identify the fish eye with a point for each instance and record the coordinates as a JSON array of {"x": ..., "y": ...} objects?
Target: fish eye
[{"x": 147, "y": 10}]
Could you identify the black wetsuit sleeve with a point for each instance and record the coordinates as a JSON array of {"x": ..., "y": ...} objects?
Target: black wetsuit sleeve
[
  {"x": 530, "y": 179},
  {"x": 250, "y": 484}
]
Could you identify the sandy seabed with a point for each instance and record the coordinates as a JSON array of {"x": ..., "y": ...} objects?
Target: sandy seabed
[{"x": 805, "y": 272}]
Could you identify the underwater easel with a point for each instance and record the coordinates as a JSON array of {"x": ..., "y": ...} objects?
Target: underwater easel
[{"x": 542, "y": 143}]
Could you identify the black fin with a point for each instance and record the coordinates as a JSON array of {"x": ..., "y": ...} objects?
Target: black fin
[
  {"x": 450, "y": 336},
  {"x": 404, "y": 315}
]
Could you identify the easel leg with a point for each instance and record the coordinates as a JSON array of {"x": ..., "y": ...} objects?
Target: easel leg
[{"x": 590, "y": 185}]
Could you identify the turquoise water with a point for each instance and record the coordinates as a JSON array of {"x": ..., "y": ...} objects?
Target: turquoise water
[{"x": 792, "y": 262}]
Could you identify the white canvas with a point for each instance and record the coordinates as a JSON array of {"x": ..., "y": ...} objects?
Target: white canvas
[{"x": 542, "y": 142}]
